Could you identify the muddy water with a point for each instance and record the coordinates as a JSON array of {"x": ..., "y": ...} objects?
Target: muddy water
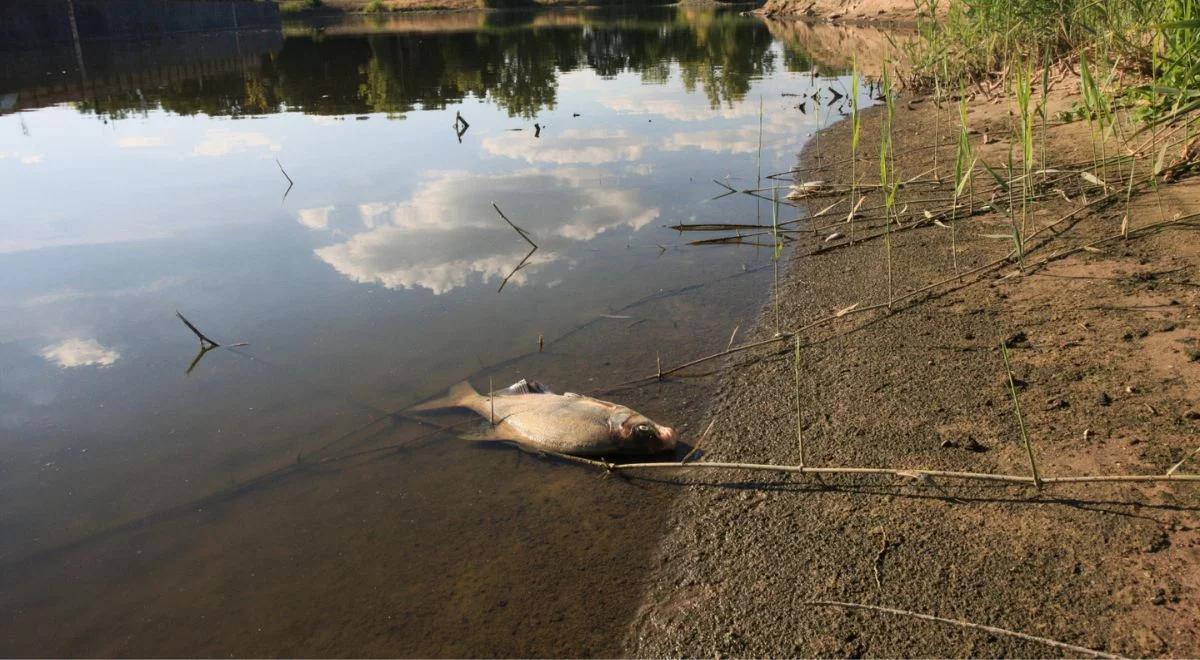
[{"x": 272, "y": 499}]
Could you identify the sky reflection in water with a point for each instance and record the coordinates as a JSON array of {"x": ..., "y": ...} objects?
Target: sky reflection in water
[{"x": 373, "y": 282}]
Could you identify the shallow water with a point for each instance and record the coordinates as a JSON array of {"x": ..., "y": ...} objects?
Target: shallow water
[{"x": 271, "y": 499}]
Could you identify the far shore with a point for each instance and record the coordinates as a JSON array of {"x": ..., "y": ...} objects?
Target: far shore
[{"x": 384, "y": 7}]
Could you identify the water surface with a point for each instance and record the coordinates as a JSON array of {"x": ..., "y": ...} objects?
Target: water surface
[{"x": 272, "y": 499}]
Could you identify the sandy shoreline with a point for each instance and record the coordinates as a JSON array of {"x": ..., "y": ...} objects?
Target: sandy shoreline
[
  {"x": 383, "y": 8},
  {"x": 1104, "y": 349}
]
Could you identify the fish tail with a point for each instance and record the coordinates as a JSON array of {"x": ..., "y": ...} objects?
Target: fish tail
[{"x": 461, "y": 395}]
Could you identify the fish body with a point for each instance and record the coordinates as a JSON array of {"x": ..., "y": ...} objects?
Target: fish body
[{"x": 529, "y": 414}]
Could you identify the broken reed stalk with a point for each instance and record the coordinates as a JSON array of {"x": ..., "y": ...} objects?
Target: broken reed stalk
[
  {"x": 517, "y": 229},
  {"x": 1182, "y": 461},
  {"x": 967, "y": 624},
  {"x": 991, "y": 265},
  {"x": 285, "y": 174},
  {"x": 799, "y": 425},
  {"x": 699, "y": 441},
  {"x": 1012, "y": 387},
  {"x": 855, "y": 135},
  {"x": 887, "y": 183},
  {"x": 760, "y": 134},
  {"x": 196, "y": 331},
  {"x": 492, "y": 402},
  {"x": 919, "y": 475}
]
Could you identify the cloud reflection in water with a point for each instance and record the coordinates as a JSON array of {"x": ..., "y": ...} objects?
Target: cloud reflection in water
[
  {"x": 448, "y": 232},
  {"x": 80, "y": 352}
]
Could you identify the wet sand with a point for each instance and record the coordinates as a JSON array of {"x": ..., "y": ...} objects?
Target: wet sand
[{"x": 1104, "y": 351}]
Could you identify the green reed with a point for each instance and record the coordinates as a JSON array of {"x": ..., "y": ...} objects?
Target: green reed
[
  {"x": 887, "y": 172},
  {"x": 1024, "y": 89},
  {"x": 964, "y": 167},
  {"x": 799, "y": 425},
  {"x": 1012, "y": 388},
  {"x": 855, "y": 136}
]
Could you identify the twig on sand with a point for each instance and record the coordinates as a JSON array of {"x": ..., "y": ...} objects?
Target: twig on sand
[
  {"x": 921, "y": 476},
  {"x": 1182, "y": 460},
  {"x": 967, "y": 624},
  {"x": 878, "y": 564},
  {"x": 700, "y": 441},
  {"x": 732, "y": 336}
]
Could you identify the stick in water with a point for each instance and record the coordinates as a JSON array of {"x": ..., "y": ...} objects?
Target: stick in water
[
  {"x": 204, "y": 340},
  {"x": 520, "y": 231}
]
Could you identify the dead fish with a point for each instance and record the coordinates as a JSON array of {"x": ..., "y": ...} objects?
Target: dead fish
[
  {"x": 806, "y": 189},
  {"x": 529, "y": 414}
]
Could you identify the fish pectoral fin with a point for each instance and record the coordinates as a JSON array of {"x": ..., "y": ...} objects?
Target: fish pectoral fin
[{"x": 488, "y": 434}]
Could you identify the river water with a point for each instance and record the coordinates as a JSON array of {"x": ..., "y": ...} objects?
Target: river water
[{"x": 272, "y": 498}]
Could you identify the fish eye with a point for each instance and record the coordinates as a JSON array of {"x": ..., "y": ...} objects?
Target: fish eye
[{"x": 642, "y": 428}]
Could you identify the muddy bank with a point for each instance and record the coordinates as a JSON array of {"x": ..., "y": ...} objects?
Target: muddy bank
[
  {"x": 860, "y": 10},
  {"x": 840, "y": 44},
  {"x": 1104, "y": 349}
]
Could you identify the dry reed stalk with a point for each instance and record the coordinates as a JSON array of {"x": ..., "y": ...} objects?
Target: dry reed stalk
[
  {"x": 517, "y": 229},
  {"x": 285, "y": 175},
  {"x": 920, "y": 475},
  {"x": 204, "y": 340},
  {"x": 1182, "y": 460},
  {"x": 967, "y": 624},
  {"x": 699, "y": 441},
  {"x": 799, "y": 424}
]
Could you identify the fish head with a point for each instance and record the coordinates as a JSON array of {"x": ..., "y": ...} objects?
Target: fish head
[{"x": 635, "y": 433}]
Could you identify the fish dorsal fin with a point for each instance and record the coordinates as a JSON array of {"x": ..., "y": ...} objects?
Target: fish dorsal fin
[
  {"x": 600, "y": 402},
  {"x": 524, "y": 387}
]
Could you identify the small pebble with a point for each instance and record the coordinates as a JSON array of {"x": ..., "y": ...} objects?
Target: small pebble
[
  {"x": 1018, "y": 337},
  {"x": 972, "y": 445},
  {"x": 1103, "y": 399}
]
